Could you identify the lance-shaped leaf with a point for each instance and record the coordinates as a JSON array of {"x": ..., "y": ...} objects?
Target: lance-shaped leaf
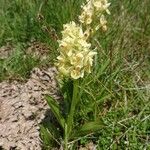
[
  {"x": 87, "y": 128},
  {"x": 56, "y": 110}
]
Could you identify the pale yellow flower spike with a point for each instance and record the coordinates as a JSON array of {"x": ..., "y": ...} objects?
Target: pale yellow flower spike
[
  {"x": 75, "y": 57},
  {"x": 94, "y": 10}
]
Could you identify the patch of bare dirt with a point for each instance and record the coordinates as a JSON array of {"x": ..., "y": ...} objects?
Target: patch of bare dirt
[
  {"x": 38, "y": 50},
  {"x": 35, "y": 48},
  {"x": 6, "y": 51},
  {"x": 22, "y": 108}
]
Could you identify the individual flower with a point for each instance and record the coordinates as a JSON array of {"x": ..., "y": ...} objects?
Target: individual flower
[
  {"x": 103, "y": 23},
  {"x": 86, "y": 17},
  {"x": 101, "y": 5},
  {"x": 88, "y": 61}
]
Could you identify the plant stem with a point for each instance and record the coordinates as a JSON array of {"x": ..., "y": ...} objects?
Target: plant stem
[
  {"x": 73, "y": 105},
  {"x": 66, "y": 138},
  {"x": 69, "y": 123}
]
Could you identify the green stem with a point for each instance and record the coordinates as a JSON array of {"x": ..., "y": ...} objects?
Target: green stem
[
  {"x": 73, "y": 105},
  {"x": 66, "y": 138},
  {"x": 69, "y": 124}
]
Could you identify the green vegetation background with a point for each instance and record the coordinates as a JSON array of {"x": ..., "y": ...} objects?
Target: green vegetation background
[{"x": 121, "y": 83}]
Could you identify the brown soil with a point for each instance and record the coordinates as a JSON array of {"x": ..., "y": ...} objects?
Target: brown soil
[
  {"x": 6, "y": 51},
  {"x": 22, "y": 109}
]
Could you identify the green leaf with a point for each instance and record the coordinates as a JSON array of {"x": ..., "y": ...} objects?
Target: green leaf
[
  {"x": 50, "y": 135},
  {"x": 46, "y": 136},
  {"x": 56, "y": 110},
  {"x": 88, "y": 128}
]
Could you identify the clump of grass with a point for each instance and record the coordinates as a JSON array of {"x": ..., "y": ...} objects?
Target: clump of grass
[
  {"x": 22, "y": 21},
  {"x": 18, "y": 65}
]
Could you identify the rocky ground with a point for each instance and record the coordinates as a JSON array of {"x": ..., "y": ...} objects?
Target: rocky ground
[{"x": 22, "y": 109}]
